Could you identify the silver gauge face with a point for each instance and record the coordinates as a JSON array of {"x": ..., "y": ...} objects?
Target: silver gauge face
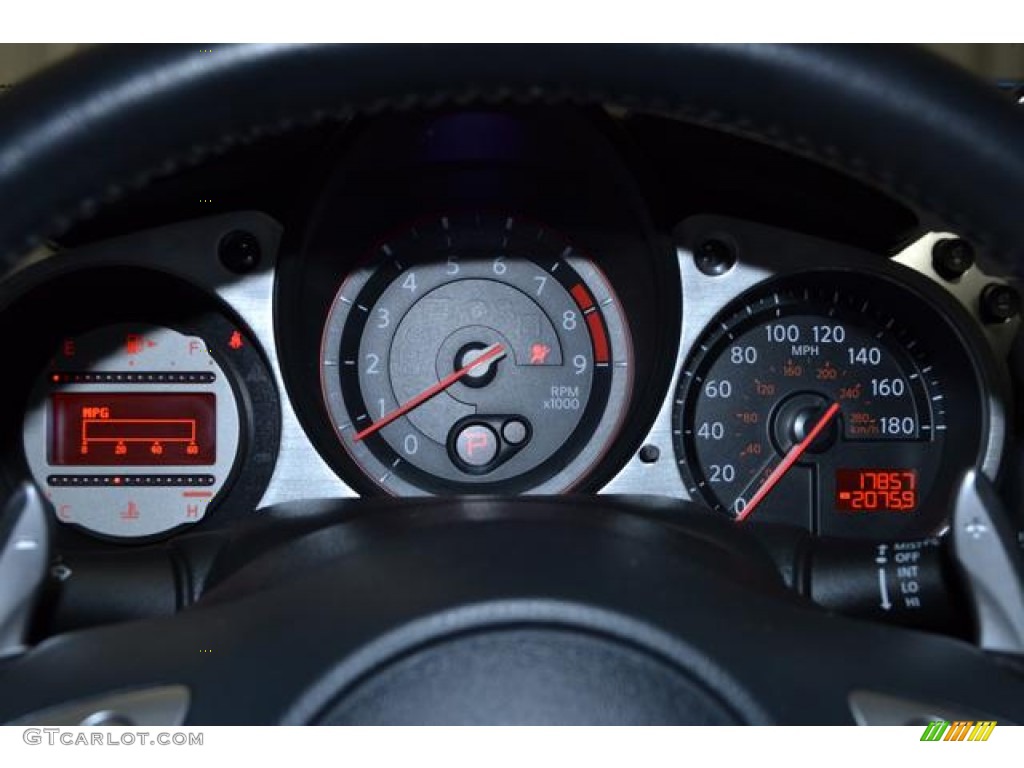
[
  {"x": 132, "y": 431},
  {"x": 476, "y": 354}
]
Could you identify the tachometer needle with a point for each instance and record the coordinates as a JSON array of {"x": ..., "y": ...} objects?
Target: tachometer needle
[
  {"x": 490, "y": 354},
  {"x": 791, "y": 458}
]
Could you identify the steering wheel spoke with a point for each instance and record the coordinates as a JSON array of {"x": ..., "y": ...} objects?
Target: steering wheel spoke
[{"x": 511, "y": 611}]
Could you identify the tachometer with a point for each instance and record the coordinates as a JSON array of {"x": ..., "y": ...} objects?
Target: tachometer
[
  {"x": 828, "y": 401},
  {"x": 476, "y": 354}
]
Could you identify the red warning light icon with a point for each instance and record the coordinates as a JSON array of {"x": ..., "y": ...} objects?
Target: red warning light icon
[
  {"x": 135, "y": 343},
  {"x": 539, "y": 353},
  {"x": 235, "y": 342},
  {"x": 132, "y": 344}
]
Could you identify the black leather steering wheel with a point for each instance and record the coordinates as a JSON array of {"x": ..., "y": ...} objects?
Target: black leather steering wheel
[{"x": 515, "y": 610}]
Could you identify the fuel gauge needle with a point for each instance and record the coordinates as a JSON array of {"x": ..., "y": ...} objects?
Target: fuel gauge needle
[
  {"x": 488, "y": 355},
  {"x": 791, "y": 458}
]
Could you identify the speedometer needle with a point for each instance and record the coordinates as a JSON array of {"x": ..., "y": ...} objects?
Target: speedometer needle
[
  {"x": 791, "y": 458},
  {"x": 491, "y": 353}
]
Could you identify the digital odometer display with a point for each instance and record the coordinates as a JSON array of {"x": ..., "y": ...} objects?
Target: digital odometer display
[
  {"x": 133, "y": 429},
  {"x": 824, "y": 396},
  {"x": 876, "y": 490}
]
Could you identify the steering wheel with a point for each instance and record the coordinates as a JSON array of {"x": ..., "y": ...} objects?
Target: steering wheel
[{"x": 569, "y": 610}]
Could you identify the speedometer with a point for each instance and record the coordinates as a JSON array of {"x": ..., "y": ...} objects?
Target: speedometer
[
  {"x": 476, "y": 354},
  {"x": 838, "y": 402}
]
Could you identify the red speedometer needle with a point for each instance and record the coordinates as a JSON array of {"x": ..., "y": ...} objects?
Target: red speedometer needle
[
  {"x": 489, "y": 354},
  {"x": 791, "y": 458}
]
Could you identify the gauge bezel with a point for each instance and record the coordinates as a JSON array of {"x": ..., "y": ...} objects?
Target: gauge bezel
[
  {"x": 786, "y": 295},
  {"x": 765, "y": 253},
  {"x": 565, "y": 168},
  {"x": 101, "y": 503},
  {"x": 612, "y": 385},
  {"x": 155, "y": 298}
]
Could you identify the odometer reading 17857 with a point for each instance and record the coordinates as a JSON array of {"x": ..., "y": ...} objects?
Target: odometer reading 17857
[
  {"x": 876, "y": 490},
  {"x": 819, "y": 406}
]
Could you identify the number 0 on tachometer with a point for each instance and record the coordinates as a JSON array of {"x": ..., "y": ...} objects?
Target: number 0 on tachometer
[{"x": 476, "y": 354}]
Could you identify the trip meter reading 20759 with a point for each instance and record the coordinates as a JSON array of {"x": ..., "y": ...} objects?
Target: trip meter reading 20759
[
  {"x": 816, "y": 405},
  {"x": 476, "y": 354}
]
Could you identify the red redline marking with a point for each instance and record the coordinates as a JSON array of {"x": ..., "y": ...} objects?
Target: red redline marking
[
  {"x": 582, "y": 296},
  {"x": 598, "y": 336},
  {"x": 197, "y": 494}
]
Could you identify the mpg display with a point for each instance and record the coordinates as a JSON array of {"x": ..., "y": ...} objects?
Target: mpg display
[{"x": 133, "y": 429}]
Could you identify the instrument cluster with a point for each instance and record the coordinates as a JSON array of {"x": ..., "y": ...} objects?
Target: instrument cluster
[{"x": 485, "y": 303}]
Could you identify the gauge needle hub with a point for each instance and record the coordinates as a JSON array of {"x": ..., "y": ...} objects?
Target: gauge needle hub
[
  {"x": 791, "y": 458},
  {"x": 487, "y": 357}
]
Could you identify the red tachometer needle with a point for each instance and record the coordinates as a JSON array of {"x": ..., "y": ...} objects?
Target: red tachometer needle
[
  {"x": 492, "y": 352},
  {"x": 791, "y": 458}
]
